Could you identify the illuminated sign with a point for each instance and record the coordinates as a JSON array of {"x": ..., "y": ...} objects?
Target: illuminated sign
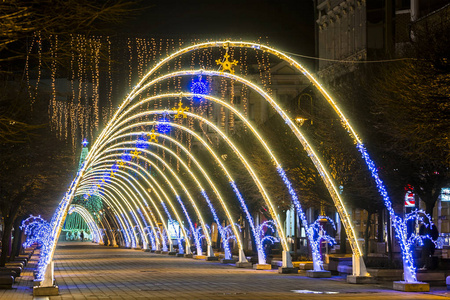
[
  {"x": 445, "y": 195},
  {"x": 409, "y": 199},
  {"x": 174, "y": 229}
]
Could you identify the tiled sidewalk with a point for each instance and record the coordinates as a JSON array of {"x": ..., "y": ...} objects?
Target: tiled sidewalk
[{"x": 87, "y": 271}]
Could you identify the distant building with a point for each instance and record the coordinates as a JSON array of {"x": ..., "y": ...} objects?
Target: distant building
[
  {"x": 353, "y": 30},
  {"x": 365, "y": 30}
]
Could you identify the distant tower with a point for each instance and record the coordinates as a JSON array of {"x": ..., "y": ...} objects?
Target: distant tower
[
  {"x": 84, "y": 152},
  {"x": 92, "y": 203}
]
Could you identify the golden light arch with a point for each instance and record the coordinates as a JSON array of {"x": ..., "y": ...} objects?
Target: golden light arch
[
  {"x": 115, "y": 185},
  {"x": 359, "y": 267},
  {"x": 89, "y": 220},
  {"x": 63, "y": 207}
]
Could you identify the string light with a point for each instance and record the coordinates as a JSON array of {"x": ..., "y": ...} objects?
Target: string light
[{"x": 157, "y": 89}]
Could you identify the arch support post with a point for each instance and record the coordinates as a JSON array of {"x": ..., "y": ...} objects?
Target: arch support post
[
  {"x": 145, "y": 247},
  {"x": 188, "y": 251},
  {"x": 360, "y": 274},
  {"x": 210, "y": 254},
  {"x": 243, "y": 262},
  {"x": 287, "y": 266},
  {"x": 47, "y": 286}
]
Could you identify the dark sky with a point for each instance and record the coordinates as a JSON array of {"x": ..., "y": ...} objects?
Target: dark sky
[{"x": 288, "y": 24}]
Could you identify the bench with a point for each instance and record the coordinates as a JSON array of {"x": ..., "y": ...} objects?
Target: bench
[{"x": 6, "y": 281}]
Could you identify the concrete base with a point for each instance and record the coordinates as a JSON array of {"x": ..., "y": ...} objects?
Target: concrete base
[
  {"x": 200, "y": 256},
  {"x": 303, "y": 265},
  {"x": 212, "y": 258},
  {"x": 227, "y": 261},
  {"x": 411, "y": 286},
  {"x": 158, "y": 251},
  {"x": 262, "y": 267},
  {"x": 146, "y": 250},
  {"x": 247, "y": 265},
  {"x": 318, "y": 274},
  {"x": 45, "y": 291},
  {"x": 137, "y": 248},
  {"x": 360, "y": 279},
  {"x": 152, "y": 251},
  {"x": 282, "y": 270},
  {"x": 164, "y": 252},
  {"x": 190, "y": 255},
  {"x": 180, "y": 255},
  {"x": 172, "y": 253}
]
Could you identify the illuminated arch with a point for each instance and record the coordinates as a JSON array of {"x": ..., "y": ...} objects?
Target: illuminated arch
[
  {"x": 87, "y": 217},
  {"x": 164, "y": 222},
  {"x": 62, "y": 208}
]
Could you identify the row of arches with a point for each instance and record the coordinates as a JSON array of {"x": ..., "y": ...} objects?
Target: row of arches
[{"x": 114, "y": 169}]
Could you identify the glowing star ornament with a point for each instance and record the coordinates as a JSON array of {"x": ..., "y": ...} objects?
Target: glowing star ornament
[
  {"x": 153, "y": 136},
  {"x": 199, "y": 87},
  {"x": 135, "y": 153},
  {"x": 180, "y": 110},
  {"x": 227, "y": 65},
  {"x": 85, "y": 143}
]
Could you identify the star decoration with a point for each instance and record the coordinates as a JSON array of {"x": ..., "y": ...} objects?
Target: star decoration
[
  {"x": 180, "y": 110},
  {"x": 121, "y": 163},
  {"x": 153, "y": 136},
  {"x": 135, "y": 153},
  {"x": 226, "y": 64}
]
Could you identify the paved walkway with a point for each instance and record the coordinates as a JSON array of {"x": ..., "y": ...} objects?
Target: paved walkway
[{"x": 88, "y": 271}]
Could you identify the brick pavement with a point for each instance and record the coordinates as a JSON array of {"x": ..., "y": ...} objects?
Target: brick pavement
[{"x": 88, "y": 271}]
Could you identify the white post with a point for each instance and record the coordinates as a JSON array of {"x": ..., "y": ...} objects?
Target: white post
[
  {"x": 48, "y": 276},
  {"x": 210, "y": 251},
  {"x": 188, "y": 249},
  {"x": 287, "y": 260},
  {"x": 171, "y": 247},
  {"x": 242, "y": 258},
  {"x": 358, "y": 266}
]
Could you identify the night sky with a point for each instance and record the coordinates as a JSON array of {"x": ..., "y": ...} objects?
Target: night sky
[{"x": 289, "y": 25}]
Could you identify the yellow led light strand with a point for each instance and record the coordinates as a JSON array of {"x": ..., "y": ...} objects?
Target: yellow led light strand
[
  {"x": 190, "y": 132},
  {"x": 132, "y": 211},
  {"x": 111, "y": 199},
  {"x": 243, "y": 160},
  {"x": 320, "y": 167},
  {"x": 88, "y": 219},
  {"x": 242, "y": 44},
  {"x": 123, "y": 185},
  {"x": 136, "y": 202},
  {"x": 151, "y": 177},
  {"x": 191, "y": 199},
  {"x": 217, "y": 193},
  {"x": 125, "y": 214},
  {"x": 105, "y": 159}
]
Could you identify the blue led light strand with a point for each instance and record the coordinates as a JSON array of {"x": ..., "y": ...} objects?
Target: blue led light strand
[
  {"x": 259, "y": 247},
  {"x": 315, "y": 249},
  {"x": 196, "y": 239},
  {"x": 225, "y": 245}
]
